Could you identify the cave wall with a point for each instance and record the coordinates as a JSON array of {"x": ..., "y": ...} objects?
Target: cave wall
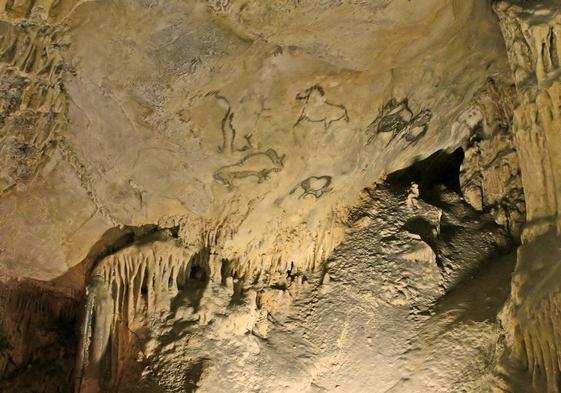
[
  {"x": 38, "y": 337},
  {"x": 531, "y": 32},
  {"x": 531, "y": 35},
  {"x": 254, "y": 125},
  {"x": 253, "y": 134}
]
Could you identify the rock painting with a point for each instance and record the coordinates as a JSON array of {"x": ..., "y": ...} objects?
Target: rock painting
[
  {"x": 314, "y": 185},
  {"x": 229, "y": 143},
  {"x": 259, "y": 165},
  {"x": 396, "y": 120},
  {"x": 317, "y": 109}
]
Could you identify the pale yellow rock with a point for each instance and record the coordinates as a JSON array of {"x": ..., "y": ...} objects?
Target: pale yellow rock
[
  {"x": 240, "y": 152},
  {"x": 531, "y": 33}
]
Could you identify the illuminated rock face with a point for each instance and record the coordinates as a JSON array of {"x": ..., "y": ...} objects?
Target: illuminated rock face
[
  {"x": 531, "y": 317},
  {"x": 273, "y": 196},
  {"x": 216, "y": 118},
  {"x": 531, "y": 34}
]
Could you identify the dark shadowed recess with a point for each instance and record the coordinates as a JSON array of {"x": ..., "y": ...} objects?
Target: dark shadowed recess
[
  {"x": 440, "y": 169},
  {"x": 467, "y": 239},
  {"x": 40, "y": 320}
]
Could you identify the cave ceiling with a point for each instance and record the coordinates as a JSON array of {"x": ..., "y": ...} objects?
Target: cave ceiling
[
  {"x": 255, "y": 123},
  {"x": 275, "y": 196}
]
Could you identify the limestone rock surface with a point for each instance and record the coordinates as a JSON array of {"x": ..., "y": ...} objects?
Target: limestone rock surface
[
  {"x": 280, "y": 196},
  {"x": 230, "y": 116}
]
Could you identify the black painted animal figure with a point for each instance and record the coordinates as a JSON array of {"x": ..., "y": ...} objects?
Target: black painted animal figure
[
  {"x": 317, "y": 109},
  {"x": 229, "y": 132},
  {"x": 314, "y": 185},
  {"x": 259, "y": 165},
  {"x": 418, "y": 126},
  {"x": 396, "y": 121}
]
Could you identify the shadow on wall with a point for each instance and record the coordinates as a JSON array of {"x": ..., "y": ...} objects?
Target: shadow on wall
[
  {"x": 465, "y": 238},
  {"x": 439, "y": 169},
  {"x": 37, "y": 337}
]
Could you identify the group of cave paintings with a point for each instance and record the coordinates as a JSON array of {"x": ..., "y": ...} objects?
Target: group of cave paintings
[{"x": 395, "y": 121}]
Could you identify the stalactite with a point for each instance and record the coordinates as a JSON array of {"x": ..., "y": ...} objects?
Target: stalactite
[
  {"x": 533, "y": 50},
  {"x": 531, "y": 35},
  {"x": 304, "y": 254},
  {"x": 140, "y": 280},
  {"x": 128, "y": 288},
  {"x": 532, "y": 318},
  {"x": 540, "y": 334}
]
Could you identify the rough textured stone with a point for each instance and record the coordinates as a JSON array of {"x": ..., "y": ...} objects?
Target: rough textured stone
[
  {"x": 531, "y": 32},
  {"x": 211, "y": 116},
  {"x": 279, "y": 196},
  {"x": 490, "y": 177}
]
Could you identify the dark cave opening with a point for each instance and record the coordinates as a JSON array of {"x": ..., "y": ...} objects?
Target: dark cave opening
[
  {"x": 439, "y": 169},
  {"x": 460, "y": 225}
]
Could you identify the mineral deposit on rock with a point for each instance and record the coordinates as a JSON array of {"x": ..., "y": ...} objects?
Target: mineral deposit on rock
[{"x": 280, "y": 196}]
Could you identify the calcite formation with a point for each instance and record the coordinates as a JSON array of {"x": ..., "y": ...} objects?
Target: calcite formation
[
  {"x": 530, "y": 32},
  {"x": 280, "y": 196},
  {"x": 531, "y": 35},
  {"x": 490, "y": 177},
  {"x": 115, "y": 299}
]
